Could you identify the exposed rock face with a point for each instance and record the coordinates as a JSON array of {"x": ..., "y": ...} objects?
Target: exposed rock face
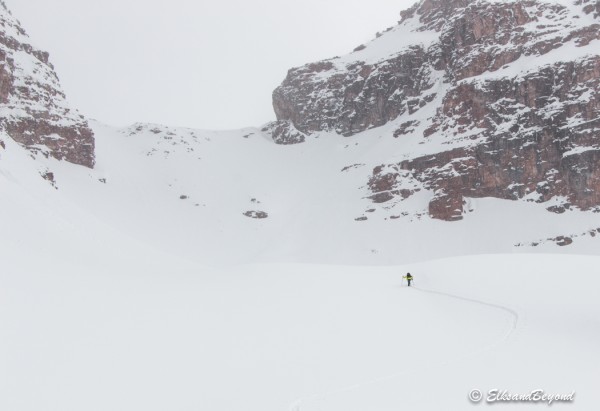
[
  {"x": 513, "y": 88},
  {"x": 543, "y": 140},
  {"x": 352, "y": 100},
  {"x": 33, "y": 108}
]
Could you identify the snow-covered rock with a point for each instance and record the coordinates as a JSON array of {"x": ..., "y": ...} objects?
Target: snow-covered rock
[
  {"x": 504, "y": 97},
  {"x": 33, "y": 107}
]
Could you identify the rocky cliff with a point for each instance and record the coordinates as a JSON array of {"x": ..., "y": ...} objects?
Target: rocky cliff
[
  {"x": 33, "y": 108},
  {"x": 503, "y": 96}
]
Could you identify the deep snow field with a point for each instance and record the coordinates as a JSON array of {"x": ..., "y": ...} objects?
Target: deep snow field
[
  {"x": 122, "y": 296},
  {"x": 299, "y": 337}
]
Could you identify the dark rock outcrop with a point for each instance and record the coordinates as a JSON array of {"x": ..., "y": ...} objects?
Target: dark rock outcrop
[
  {"x": 541, "y": 137},
  {"x": 284, "y": 133},
  {"x": 361, "y": 96},
  {"x": 259, "y": 215}
]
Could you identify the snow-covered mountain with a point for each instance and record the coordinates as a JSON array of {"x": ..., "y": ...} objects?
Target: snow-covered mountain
[
  {"x": 157, "y": 268},
  {"x": 489, "y": 98},
  {"x": 460, "y": 109}
]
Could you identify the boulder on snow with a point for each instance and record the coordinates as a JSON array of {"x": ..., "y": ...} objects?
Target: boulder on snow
[{"x": 256, "y": 214}]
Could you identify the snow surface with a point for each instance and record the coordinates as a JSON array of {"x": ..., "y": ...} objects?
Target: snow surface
[
  {"x": 569, "y": 52},
  {"x": 106, "y": 301},
  {"x": 311, "y": 203},
  {"x": 297, "y": 337},
  {"x": 409, "y": 33},
  {"x": 185, "y": 192}
]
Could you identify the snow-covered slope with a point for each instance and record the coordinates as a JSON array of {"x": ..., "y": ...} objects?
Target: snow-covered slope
[
  {"x": 201, "y": 195},
  {"x": 368, "y": 198},
  {"x": 169, "y": 276},
  {"x": 299, "y": 337},
  {"x": 97, "y": 315},
  {"x": 43, "y": 230}
]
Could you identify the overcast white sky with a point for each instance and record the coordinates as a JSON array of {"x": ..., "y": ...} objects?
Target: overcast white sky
[{"x": 201, "y": 64}]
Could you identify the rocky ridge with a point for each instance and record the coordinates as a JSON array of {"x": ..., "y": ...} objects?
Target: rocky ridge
[
  {"x": 33, "y": 108},
  {"x": 504, "y": 98}
]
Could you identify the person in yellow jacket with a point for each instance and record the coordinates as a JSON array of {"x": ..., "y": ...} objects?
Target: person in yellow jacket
[{"x": 409, "y": 278}]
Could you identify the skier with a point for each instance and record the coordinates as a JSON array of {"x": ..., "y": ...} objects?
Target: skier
[{"x": 409, "y": 278}]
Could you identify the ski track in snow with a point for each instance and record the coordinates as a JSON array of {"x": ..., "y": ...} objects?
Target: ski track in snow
[
  {"x": 513, "y": 313},
  {"x": 297, "y": 405}
]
